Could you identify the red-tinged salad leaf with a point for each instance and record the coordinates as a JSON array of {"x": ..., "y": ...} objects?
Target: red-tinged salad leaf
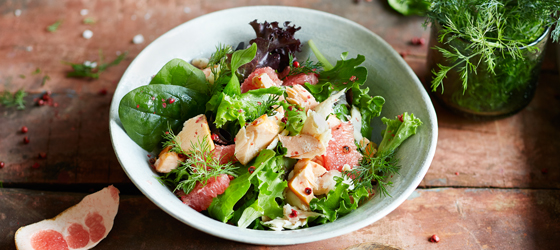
[
  {"x": 147, "y": 111},
  {"x": 398, "y": 130},
  {"x": 181, "y": 73},
  {"x": 275, "y": 45},
  {"x": 338, "y": 202}
]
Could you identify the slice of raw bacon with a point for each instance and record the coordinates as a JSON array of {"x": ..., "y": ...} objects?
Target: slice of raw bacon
[{"x": 79, "y": 227}]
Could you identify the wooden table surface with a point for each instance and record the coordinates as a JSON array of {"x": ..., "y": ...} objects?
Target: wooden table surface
[{"x": 491, "y": 185}]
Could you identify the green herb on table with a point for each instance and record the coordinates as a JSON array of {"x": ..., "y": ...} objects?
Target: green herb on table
[
  {"x": 22, "y": 76},
  {"x": 54, "y": 27},
  {"x": 37, "y": 71},
  {"x": 45, "y": 79},
  {"x": 90, "y": 69},
  {"x": 410, "y": 7},
  {"x": 199, "y": 167},
  {"x": 16, "y": 99},
  {"x": 89, "y": 20}
]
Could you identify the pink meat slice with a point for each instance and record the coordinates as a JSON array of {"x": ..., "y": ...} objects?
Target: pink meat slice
[
  {"x": 201, "y": 196},
  {"x": 80, "y": 227},
  {"x": 248, "y": 83},
  {"x": 301, "y": 79}
]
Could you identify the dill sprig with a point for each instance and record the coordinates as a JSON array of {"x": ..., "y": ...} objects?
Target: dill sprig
[
  {"x": 218, "y": 66},
  {"x": 373, "y": 172},
  {"x": 306, "y": 67},
  {"x": 493, "y": 29},
  {"x": 200, "y": 166},
  {"x": 16, "y": 99},
  {"x": 269, "y": 107}
]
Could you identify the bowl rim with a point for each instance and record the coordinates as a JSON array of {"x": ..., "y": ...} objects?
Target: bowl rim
[{"x": 288, "y": 237}]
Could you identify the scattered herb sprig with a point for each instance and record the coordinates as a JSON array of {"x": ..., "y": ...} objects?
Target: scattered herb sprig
[
  {"x": 306, "y": 67},
  {"x": 54, "y": 27},
  {"x": 373, "y": 172},
  {"x": 91, "y": 70},
  {"x": 200, "y": 166},
  {"x": 16, "y": 99}
]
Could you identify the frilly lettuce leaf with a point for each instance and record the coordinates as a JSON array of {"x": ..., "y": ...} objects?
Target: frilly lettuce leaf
[
  {"x": 398, "y": 130},
  {"x": 338, "y": 202},
  {"x": 345, "y": 74},
  {"x": 240, "y": 108},
  {"x": 271, "y": 185},
  {"x": 369, "y": 107},
  {"x": 222, "y": 206},
  {"x": 294, "y": 119}
]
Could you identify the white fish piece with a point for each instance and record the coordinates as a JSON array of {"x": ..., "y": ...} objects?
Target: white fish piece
[
  {"x": 168, "y": 160},
  {"x": 316, "y": 126},
  {"x": 293, "y": 218},
  {"x": 324, "y": 109},
  {"x": 80, "y": 227},
  {"x": 194, "y": 131},
  {"x": 356, "y": 120},
  {"x": 297, "y": 94},
  {"x": 302, "y": 146},
  {"x": 253, "y": 138}
]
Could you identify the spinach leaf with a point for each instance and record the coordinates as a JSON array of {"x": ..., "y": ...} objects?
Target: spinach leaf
[
  {"x": 238, "y": 59},
  {"x": 147, "y": 111},
  {"x": 181, "y": 73}
]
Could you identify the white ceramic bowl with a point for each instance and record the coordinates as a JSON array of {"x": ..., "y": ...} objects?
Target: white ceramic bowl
[{"x": 389, "y": 76}]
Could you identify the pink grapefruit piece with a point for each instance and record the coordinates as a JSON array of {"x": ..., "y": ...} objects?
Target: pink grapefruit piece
[
  {"x": 249, "y": 85},
  {"x": 301, "y": 79},
  {"x": 341, "y": 149},
  {"x": 79, "y": 227},
  {"x": 225, "y": 153},
  {"x": 201, "y": 196}
]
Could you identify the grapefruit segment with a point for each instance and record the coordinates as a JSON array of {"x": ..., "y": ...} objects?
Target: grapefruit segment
[
  {"x": 341, "y": 149},
  {"x": 201, "y": 196},
  {"x": 249, "y": 84},
  {"x": 82, "y": 226}
]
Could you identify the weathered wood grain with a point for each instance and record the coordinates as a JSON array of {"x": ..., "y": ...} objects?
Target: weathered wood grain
[
  {"x": 513, "y": 152},
  {"x": 462, "y": 218}
]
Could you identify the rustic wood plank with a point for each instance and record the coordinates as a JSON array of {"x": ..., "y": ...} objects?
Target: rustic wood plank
[{"x": 462, "y": 218}]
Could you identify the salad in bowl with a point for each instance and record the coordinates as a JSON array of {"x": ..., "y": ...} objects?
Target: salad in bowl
[{"x": 258, "y": 138}]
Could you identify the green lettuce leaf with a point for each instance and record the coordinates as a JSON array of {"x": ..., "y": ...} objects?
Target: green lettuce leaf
[
  {"x": 243, "y": 107},
  {"x": 181, "y": 73},
  {"x": 238, "y": 59},
  {"x": 369, "y": 107},
  {"x": 338, "y": 202},
  {"x": 271, "y": 185},
  {"x": 294, "y": 119},
  {"x": 222, "y": 206},
  {"x": 398, "y": 130},
  {"x": 345, "y": 74}
]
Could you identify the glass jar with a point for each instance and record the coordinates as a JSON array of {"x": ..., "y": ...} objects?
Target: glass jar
[{"x": 488, "y": 95}]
